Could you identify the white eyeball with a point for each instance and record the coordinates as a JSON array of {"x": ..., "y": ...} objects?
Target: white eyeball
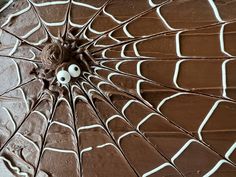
[
  {"x": 63, "y": 77},
  {"x": 74, "y": 70}
]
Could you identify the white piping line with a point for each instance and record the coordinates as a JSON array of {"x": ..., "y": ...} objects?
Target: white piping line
[
  {"x": 16, "y": 14},
  {"x": 156, "y": 169},
  {"x": 16, "y": 169},
  {"x": 168, "y": 98},
  {"x": 222, "y": 46},
  {"x": 224, "y": 77},
  {"x": 14, "y": 48},
  {"x": 85, "y": 5},
  {"x": 216, "y": 167},
  {"x": 215, "y": 10},
  {"x": 31, "y": 31},
  {"x": 230, "y": 151},
  {"x": 145, "y": 119},
  {"x": 182, "y": 149},
  {"x": 11, "y": 118},
  {"x": 176, "y": 73},
  {"x": 49, "y": 3},
  {"x": 124, "y": 135},
  {"x": 6, "y": 5},
  {"x": 163, "y": 19},
  {"x": 209, "y": 114},
  {"x": 29, "y": 140}
]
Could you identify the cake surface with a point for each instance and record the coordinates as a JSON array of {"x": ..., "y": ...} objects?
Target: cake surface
[{"x": 117, "y": 88}]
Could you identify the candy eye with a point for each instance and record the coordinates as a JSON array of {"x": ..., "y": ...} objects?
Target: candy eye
[
  {"x": 63, "y": 77},
  {"x": 74, "y": 70}
]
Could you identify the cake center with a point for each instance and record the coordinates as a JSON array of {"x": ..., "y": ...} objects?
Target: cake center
[{"x": 64, "y": 62}]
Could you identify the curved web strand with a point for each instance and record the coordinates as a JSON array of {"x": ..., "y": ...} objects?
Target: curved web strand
[
  {"x": 177, "y": 74},
  {"x": 177, "y": 49},
  {"x": 182, "y": 20},
  {"x": 140, "y": 110},
  {"x": 14, "y": 47},
  {"x": 17, "y": 70},
  {"x": 21, "y": 153},
  {"x": 17, "y": 13},
  {"x": 112, "y": 21},
  {"x": 158, "y": 95},
  {"x": 16, "y": 105},
  {"x": 117, "y": 134},
  {"x": 102, "y": 146},
  {"x": 56, "y": 24},
  {"x": 59, "y": 141},
  {"x": 109, "y": 140},
  {"x": 140, "y": 93}
]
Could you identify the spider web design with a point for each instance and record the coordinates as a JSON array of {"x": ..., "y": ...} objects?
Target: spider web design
[{"x": 160, "y": 102}]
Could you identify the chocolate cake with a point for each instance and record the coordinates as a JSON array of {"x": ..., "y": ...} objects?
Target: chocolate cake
[{"x": 117, "y": 88}]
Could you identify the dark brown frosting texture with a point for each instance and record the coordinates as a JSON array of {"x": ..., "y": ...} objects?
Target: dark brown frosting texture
[{"x": 156, "y": 95}]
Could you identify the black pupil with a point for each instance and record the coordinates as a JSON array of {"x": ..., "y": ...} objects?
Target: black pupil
[
  {"x": 76, "y": 69},
  {"x": 63, "y": 79}
]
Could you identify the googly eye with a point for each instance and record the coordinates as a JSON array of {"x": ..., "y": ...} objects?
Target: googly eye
[
  {"x": 74, "y": 70},
  {"x": 63, "y": 77}
]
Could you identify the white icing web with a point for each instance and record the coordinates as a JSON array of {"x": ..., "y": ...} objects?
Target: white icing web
[{"x": 156, "y": 101}]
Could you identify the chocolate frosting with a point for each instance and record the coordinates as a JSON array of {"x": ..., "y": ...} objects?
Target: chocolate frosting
[{"x": 156, "y": 94}]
